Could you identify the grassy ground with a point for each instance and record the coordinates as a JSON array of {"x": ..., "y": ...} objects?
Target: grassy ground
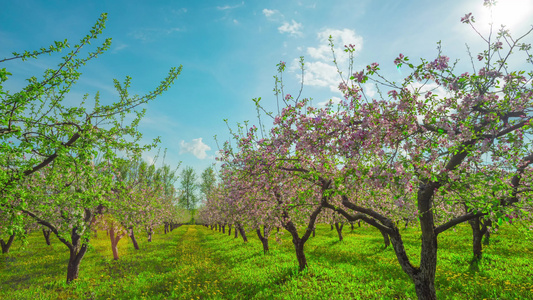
[{"x": 194, "y": 262}]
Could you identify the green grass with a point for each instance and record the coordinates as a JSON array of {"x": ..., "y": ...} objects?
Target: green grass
[{"x": 194, "y": 262}]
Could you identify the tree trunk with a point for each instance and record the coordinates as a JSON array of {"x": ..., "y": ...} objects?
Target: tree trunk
[
  {"x": 424, "y": 279},
  {"x": 236, "y": 232},
  {"x": 314, "y": 232},
  {"x": 339, "y": 229},
  {"x": 229, "y": 229},
  {"x": 46, "y": 233},
  {"x": 115, "y": 238},
  {"x": 300, "y": 255},
  {"x": 77, "y": 250},
  {"x": 224, "y": 229},
  {"x": 149, "y": 231},
  {"x": 386, "y": 239},
  {"x": 6, "y": 246},
  {"x": 243, "y": 234},
  {"x": 133, "y": 239},
  {"x": 166, "y": 228},
  {"x": 331, "y": 226},
  {"x": 74, "y": 262},
  {"x": 263, "y": 239},
  {"x": 479, "y": 229},
  {"x": 351, "y": 225}
]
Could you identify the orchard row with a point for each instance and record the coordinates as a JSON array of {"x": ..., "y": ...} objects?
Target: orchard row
[{"x": 438, "y": 148}]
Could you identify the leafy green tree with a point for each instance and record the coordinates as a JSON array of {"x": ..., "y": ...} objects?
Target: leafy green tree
[
  {"x": 208, "y": 182},
  {"x": 39, "y": 129},
  {"x": 188, "y": 185}
]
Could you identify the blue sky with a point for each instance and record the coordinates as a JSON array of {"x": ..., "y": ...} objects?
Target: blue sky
[{"x": 229, "y": 51}]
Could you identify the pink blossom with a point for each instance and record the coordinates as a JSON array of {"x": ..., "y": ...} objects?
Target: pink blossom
[{"x": 467, "y": 18}]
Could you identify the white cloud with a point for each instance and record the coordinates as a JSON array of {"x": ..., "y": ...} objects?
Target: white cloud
[
  {"x": 320, "y": 70},
  {"x": 340, "y": 38},
  {"x": 226, "y": 7},
  {"x": 235, "y": 21},
  {"x": 319, "y": 73},
  {"x": 269, "y": 12},
  {"x": 335, "y": 100},
  {"x": 370, "y": 90},
  {"x": 196, "y": 147},
  {"x": 292, "y": 29}
]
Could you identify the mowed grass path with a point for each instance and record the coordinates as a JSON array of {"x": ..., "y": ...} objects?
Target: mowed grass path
[{"x": 194, "y": 262}]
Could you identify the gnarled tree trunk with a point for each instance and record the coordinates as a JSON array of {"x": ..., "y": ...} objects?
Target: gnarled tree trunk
[
  {"x": 263, "y": 239},
  {"x": 115, "y": 238},
  {"x": 243, "y": 233},
  {"x": 339, "y": 229},
  {"x": 132, "y": 237},
  {"x": 7, "y": 245}
]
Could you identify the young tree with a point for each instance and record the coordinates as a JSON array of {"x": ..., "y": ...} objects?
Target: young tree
[
  {"x": 188, "y": 185},
  {"x": 208, "y": 181},
  {"x": 39, "y": 129}
]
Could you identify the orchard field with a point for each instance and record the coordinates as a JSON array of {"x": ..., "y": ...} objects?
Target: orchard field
[
  {"x": 195, "y": 262},
  {"x": 435, "y": 160}
]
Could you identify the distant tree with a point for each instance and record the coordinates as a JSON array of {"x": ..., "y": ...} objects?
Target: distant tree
[
  {"x": 188, "y": 185},
  {"x": 209, "y": 179}
]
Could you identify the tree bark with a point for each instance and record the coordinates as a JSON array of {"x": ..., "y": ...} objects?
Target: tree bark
[
  {"x": 77, "y": 250},
  {"x": 243, "y": 233},
  {"x": 479, "y": 229},
  {"x": 6, "y": 246},
  {"x": 46, "y": 233},
  {"x": 115, "y": 238},
  {"x": 300, "y": 254},
  {"x": 229, "y": 229},
  {"x": 74, "y": 262},
  {"x": 386, "y": 239},
  {"x": 132, "y": 237},
  {"x": 339, "y": 229},
  {"x": 424, "y": 279},
  {"x": 236, "y": 232},
  {"x": 263, "y": 239},
  {"x": 224, "y": 229},
  {"x": 149, "y": 231}
]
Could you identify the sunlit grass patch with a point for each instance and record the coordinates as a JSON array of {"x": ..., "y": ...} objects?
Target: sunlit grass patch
[{"x": 194, "y": 262}]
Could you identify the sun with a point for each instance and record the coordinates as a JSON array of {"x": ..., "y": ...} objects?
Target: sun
[{"x": 514, "y": 14}]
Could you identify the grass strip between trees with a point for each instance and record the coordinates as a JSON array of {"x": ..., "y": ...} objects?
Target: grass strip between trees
[{"x": 194, "y": 262}]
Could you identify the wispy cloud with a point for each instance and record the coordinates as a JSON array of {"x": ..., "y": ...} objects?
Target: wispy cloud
[
  {"x": 291, "y": 28},
  {"x": 182, "y": 10},
  {"x": 118, "y": 47},
  {"x": 150, "y": 34},
  {"x": 269, "y": 12},
  {"x": 196, "y": 147},
  {"x": 226, "y": 7}
]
